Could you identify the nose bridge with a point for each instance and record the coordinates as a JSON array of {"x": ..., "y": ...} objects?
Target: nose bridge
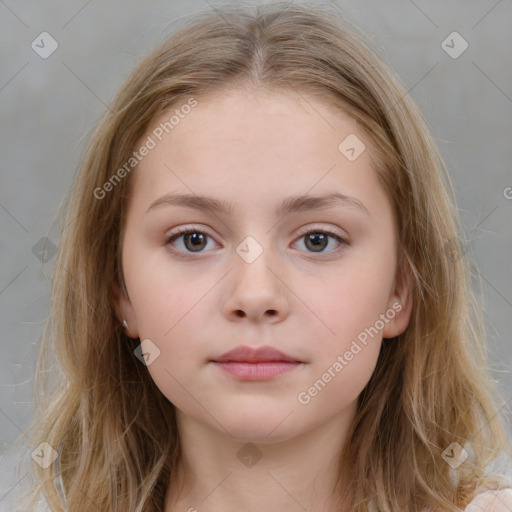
[
  {"x": 257, "y": 289},
  {"x": 254, "y": 262}
]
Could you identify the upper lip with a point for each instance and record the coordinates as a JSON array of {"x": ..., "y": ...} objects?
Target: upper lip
[{"x": 253, "y": 355}]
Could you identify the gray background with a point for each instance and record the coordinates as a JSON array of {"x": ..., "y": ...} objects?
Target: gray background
[{"x": 48, "y": 106}]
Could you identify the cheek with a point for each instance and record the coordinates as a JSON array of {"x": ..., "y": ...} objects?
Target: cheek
[
  {"x": 339, "y": 383},
  {"x": 169, "y": 313},
  {"x": 160, "y": 294},
  {"x": 351, "y": 303},
  {"x": 345, "y": 359},
  {"x": 168, "y": 301}
]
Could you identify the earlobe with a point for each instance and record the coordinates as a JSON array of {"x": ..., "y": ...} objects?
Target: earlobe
[
  {"x": 124, "y": 311},
  {"x": 399, "y": 306}
]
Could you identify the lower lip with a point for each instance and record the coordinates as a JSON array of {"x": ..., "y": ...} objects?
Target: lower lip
[{"x": 256, "y": 371}]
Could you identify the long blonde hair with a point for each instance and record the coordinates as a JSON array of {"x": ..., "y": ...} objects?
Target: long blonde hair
[{"x": 97, "y": 406}]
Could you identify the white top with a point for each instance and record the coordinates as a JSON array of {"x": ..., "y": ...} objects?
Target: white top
[{"x": 492, "y": 501}]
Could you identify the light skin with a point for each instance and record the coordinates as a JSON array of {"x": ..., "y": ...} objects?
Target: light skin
[{"x": 254, "y": 148}]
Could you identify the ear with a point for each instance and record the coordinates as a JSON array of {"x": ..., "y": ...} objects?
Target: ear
[
  {"x": 401, "y": 302},
  {"x": 124, "y": 311}
]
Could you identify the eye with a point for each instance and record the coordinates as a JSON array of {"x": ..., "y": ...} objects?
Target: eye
[
  {"x": 193, "y": 240},
  {"x": 316, "y": 240}
]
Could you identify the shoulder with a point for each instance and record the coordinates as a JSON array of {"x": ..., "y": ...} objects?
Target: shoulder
[{"x": 492, "y": 501}]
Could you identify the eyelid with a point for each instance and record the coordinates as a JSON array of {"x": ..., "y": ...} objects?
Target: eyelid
[
  {"x": 318, "y": 227},
  {"x": 186, "y": 229},
  {"x": 302, "y": 231}
]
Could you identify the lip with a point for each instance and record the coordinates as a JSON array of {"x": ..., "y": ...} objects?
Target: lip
[
  {"x": 256, "y": 371},
  {"x": 256, "y": 364},
  {"x": 247, "y": 354}
]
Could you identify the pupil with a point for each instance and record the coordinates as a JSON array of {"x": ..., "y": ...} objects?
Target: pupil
[
  {"x": 196, "y": 238},
  {"x": 317, "y": 239}
]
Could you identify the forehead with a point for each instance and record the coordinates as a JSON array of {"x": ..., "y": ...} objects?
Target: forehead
[
  {"x": 255, "y": 123},
  {"x": 239, "y": 142}
]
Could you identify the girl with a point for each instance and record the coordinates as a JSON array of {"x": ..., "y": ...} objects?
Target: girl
[{"x": 260, "y": 300}]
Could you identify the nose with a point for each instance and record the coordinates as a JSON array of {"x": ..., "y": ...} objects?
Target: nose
[{"x": 257, "y": 291}]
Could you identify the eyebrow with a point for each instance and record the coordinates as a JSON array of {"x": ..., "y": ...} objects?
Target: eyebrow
[{"x": 289, "y": 205}]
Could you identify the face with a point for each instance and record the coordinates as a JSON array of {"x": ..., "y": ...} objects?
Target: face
[{"x": 317, "y": 283}]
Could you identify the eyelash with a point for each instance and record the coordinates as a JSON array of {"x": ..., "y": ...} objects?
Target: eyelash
[{"x": 185, "y": 231}]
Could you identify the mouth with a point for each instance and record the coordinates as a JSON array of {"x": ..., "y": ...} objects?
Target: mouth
[{"x": 249, "y": 364}]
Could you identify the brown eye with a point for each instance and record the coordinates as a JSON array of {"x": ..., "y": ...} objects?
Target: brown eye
[
  {"x": 316, "y": 241},
  {"x": 193, "y": 240}
]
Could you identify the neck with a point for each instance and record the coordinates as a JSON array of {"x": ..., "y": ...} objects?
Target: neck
[{"x": 295, "y": 473}]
